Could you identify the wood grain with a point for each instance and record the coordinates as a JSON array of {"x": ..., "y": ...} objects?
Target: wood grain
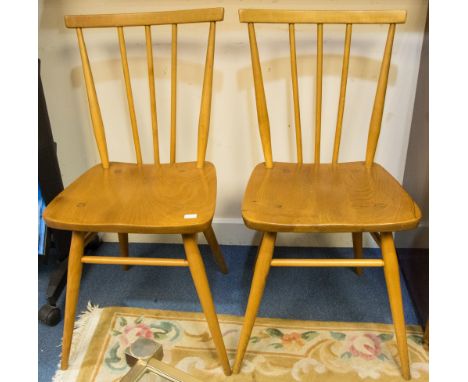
[
  {"x": 318, "y": 93},
  {"x": 342, "y": 99},
  {"x": 137, "y": 199},
  {"x": 173, "y": 93},
  {"x": 215, "y": 249},
  {"x": 262, "y": 111},
  {"x": 343, "y": 197},
  {"x": 200, "y": 280},
  {"x": 123, "y": 247},
  {"x": 321, "y": 17},
  {"x": 128, "y": 89},
  {"x": 379, "y": 101},
  {"x": 327, "y": 263},
  {"x": 376, "y": 237},
  {"x": 75, "y": 268},
  {"x": 392, "y": 278},
  {"x": 262, "y": 268},
  {"x": 205, "y": 107},
  {"x": 152, "y": 90},
  {"x": 295, "y": 86},
  {"x": 357, "y": 249},
  {"x": 126, "y": 261},
  {"x": 149, "y": 18},
  {"x": 94, "y": 109}
]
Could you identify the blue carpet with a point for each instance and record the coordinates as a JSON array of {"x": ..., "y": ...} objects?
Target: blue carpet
[{"x": 319, "y": 294}]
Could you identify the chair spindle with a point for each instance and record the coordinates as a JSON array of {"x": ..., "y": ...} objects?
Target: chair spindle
[
  {"x": 95, "y": 111},
  {"x": 379, "y": 101},
  {"x": 341, "y": 103},
  {"x": 297, "y": 110},
  {"x": 173, "y": 92},
  {"x": 318, "y": 92},
  {"x": 205, "y": 107},
  {"x": 128, "y": 87},
  {"x": 154, "y": 115},
  {"x": 262, "y": 112}
]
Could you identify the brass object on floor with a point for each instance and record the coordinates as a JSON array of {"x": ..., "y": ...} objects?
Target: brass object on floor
[{"x": 144, "y": 356}]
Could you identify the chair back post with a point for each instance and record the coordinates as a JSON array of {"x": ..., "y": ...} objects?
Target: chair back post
[
  {"x": 379, "y": 101},
  {"x": 262, "y": 111},
  {"x": 128, "y": 89},
  {"x": 94, "y": 109},
  {"x": 207, "y": 90},
  {"x": 146, "y": 20},
  {"x": 341, "y": 102},
  {"x": 348, "y": 18},
  {"x": 295, "y": 86},
  {"x": 318, "y": 92},
  {"x": 173, "y": 93},
  {"x": 152, "y": 91}
]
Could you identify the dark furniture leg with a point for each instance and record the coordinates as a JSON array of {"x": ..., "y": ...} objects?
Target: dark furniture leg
[{"x": 50, "y": 181}]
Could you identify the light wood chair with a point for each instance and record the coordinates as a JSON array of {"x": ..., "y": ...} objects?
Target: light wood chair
[
  {"x": 352, "y": 197},
  {"x": 169, "y": 198}
]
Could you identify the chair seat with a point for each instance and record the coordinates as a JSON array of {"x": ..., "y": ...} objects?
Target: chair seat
[
  {"x": 344, "y": 197},
  {"x": 127, "y": 198}
]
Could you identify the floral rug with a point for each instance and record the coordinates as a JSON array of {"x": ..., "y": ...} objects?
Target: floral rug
[{"x": 279, "y": 350}]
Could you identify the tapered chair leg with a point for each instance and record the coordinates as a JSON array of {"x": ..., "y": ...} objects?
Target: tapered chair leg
[
  {"x": 73, "y": 286},
  {"x": 392, "y": 278},
  {"x": 357, "y": 246},
  {"x": 197, "y": 269},
  {"x": 215, "y": 249},
  {"x": 262, "y": 267},
  {"x": 123, "y": 245}
]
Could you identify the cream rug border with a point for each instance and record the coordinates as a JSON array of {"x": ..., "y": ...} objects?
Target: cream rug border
[{"x": 90, "y": 325}]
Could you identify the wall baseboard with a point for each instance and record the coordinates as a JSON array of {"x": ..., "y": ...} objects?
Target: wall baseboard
[{"x": 232, "y": 231}]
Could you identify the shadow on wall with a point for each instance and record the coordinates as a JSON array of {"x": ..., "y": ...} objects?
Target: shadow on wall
[
  {"x": 111, "y": 70},
  {"x": 279, "y": 69},
  {"x": 363, "y": 68},
  {"x": 191, "y": 73}
]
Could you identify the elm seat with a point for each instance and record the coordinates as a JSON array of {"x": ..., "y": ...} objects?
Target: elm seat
[
  {"x": 341, "y": 197},
  {"x": 165, "y": 198}
]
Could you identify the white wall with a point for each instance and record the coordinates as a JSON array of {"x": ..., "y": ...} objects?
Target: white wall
[
  {"x": 416, "y": 178},
  {"x": 234, "y": 144}
]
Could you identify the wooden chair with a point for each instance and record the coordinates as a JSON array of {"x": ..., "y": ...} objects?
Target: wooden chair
[
  {"x": 174, "y": 198},
  {"x": 352, "y": 197}
]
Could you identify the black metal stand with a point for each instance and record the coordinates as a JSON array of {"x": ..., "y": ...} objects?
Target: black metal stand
[
  {"x": 50, "y": 181},
  {"x": 49, "y": 313}
]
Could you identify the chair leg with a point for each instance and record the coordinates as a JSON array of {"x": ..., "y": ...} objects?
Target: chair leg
[
  {"x": 392, "y": 278},
  {"x": 73, "y": 285},
  {"x": 357, "y": 246},
  {"x": 215, "y": 249},
  {"x": 197, "y": 269},
  {"x": 123, "y": 245},
  {"x": 262, "y": 268}
]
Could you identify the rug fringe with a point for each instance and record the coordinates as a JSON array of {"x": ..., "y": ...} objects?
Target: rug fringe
[{"x": 80, "y": 324}]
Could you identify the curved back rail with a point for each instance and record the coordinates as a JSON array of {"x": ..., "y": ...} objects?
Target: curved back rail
[
  {"x": 146, "y": 20},
  {"x": 290, "y": 17}
]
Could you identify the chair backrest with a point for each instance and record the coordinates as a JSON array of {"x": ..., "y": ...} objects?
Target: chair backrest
[
  {"x": 146, "y": 20},
  {"x": 320, "y": 18}
]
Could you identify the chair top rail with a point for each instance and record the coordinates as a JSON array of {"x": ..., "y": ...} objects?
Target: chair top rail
[
  {"x": 321, "y": 17},
  {"x": 147, "y": 18}
]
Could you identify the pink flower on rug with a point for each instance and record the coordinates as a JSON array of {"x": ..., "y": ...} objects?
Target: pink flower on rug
[
  {"x": 293, "y": 338},
  {"x": 132, "y": 332},
  {"x": 367, "y": 346}
]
